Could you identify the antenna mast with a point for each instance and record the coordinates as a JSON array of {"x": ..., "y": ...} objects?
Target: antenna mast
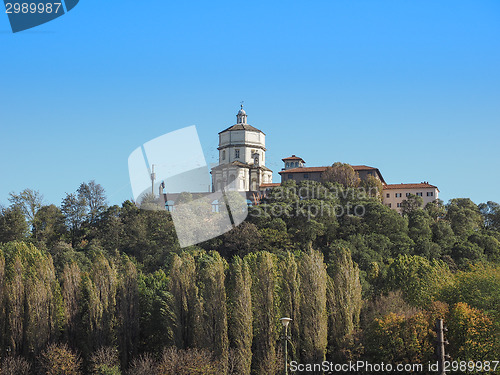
[{"x": 153, "y": 178}]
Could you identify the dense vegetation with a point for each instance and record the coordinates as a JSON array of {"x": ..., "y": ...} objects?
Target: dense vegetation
[{"x": 87, "y": 288}]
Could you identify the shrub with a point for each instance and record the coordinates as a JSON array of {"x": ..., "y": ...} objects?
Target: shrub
[
  {"x": 13, "y": 365},
  {"x": 59, "y": 360}
]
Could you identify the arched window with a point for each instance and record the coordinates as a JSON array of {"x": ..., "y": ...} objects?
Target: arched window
[{"x": 223, "y": 154}]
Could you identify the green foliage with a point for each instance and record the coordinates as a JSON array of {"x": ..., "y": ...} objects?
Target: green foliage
[
  {"x": 124, "y": 283},
  {"x": 240, "y": 315},
  {"x": 464, "y": 216},
  {"x": 186, "y": 301},
  {"x": 13, "y": 226},
  {"x": 397, "y": 338},
  {"x": 263, "y": 272},
  {"x": 478, "y": 287},
  {"x": 342, "y": 173},
  {"x": 313, "y": 315},
  {"x": 344, "y": 299},
  {"x": 214, "y": 335},
  {"x": 472, "y": 334},
  {"x": 418, "y": 278}
]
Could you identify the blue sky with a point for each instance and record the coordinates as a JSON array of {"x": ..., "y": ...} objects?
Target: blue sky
[{"x": 410, "y": 87}]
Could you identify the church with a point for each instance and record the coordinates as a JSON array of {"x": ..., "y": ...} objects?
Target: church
[
  {"x": 242, "y": 158},
  {"x": 242, "y": 168}
]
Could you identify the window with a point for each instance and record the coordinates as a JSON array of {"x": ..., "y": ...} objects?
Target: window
[
  {"x": 399, "y": 204},
  {"x": 408, "y": 194},
  {"x": 398, "y": 195},
  {"x": 223, "y": 154},
  {"x": 389, "y": 205},
  {"x": 419, "y": 194},
  {"x": 430, "y": 193},
  {"x": 388, "y": 195},
  {"x": 237, "y": 153},
  {"x": 287, "y": 164},
  {"x": 306, "y": 175}
]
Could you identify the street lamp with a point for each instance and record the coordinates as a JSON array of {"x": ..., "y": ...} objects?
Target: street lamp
[{"x": 285, "y": 322}]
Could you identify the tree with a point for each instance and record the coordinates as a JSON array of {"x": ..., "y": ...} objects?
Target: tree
[
  {"x": 105, "y": 361},
  {"x": 478, "y": 287},
  {"x": 48, "y": 225},
  {"x": 397, "y": 338},
  {"x": 73, "y": 208},
  {"x": 240, "y": 315},
  {"x": 436, "y": 209},
  {"x": 410, "y": 204},
  {"x": 372, "y": 187},
  {"x": 472, "y": 334},
  {"x": 70, "y": 285},
  {"x": 491, "y": 215},
  {"x": 418, "y": 278},
  {"x": 29, "y": 201},
  {"x": 13, "y": 226},
  {"x": 264, "y": 312},
  {"x": 99, "y": 290},
  {"x": 2, "y": 299},
  {"x": 344, "y": 299},
  {"x": 157, "y": 319},
  {"x": 342, "y": 173},
  {"x": 186, "y": 302},
  {"x": 128, "y": 312},
  {"x": 464, "y": 216},
  {"x": 60, "y": 360},
  {"x": 14, "y": 365},
  {"x": 214, "y": 313},
  {"x": 34, "y": 310},
  {"x": 188, "y": 362},
  {"x": 289, "y": 297},
  {"x": 313, "y": 316},
  {"x": 241, "y": 240},
  {"x": 94, "y": 196}
]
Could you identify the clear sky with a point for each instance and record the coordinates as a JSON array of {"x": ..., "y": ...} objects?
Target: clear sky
[{"x": 410, "y": 87}]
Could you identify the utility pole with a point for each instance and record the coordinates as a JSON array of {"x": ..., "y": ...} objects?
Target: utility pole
[{"x": 441, "y": 342}]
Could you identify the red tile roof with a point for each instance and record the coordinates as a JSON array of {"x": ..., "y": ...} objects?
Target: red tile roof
[
  {"x": 304, "y": 169},
  {"x": 410, "y": 186},
  {"x": 274, "y": 184},
  {"x": 322, "y": 169},
  {"x": 293, "y": 157}
]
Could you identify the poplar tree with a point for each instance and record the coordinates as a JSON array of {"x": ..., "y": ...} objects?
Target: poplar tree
[
  {"x": 99, "y": 304},
  {"x": 214, "y": 315},
  {"x": 70, "y": 285},
  {"x": 313, "y": 316},
  {"x": 128, "y": 312},
  {"x": 264, "y": 312},
  {"x": 186, "y": 302},
  {"x": 344, "y": 298},
  {"x": 2, "y": 301},
  {"x": 34, "y": 308},
  {"x": 240, "y": 315},
  {"x": 289, "y": 284}
]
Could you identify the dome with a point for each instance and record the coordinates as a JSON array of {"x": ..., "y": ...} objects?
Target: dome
[{"x": 241, "y": 112}]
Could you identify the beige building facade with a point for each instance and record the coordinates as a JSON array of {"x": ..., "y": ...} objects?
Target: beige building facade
[{"x": 395, "y": 194}]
